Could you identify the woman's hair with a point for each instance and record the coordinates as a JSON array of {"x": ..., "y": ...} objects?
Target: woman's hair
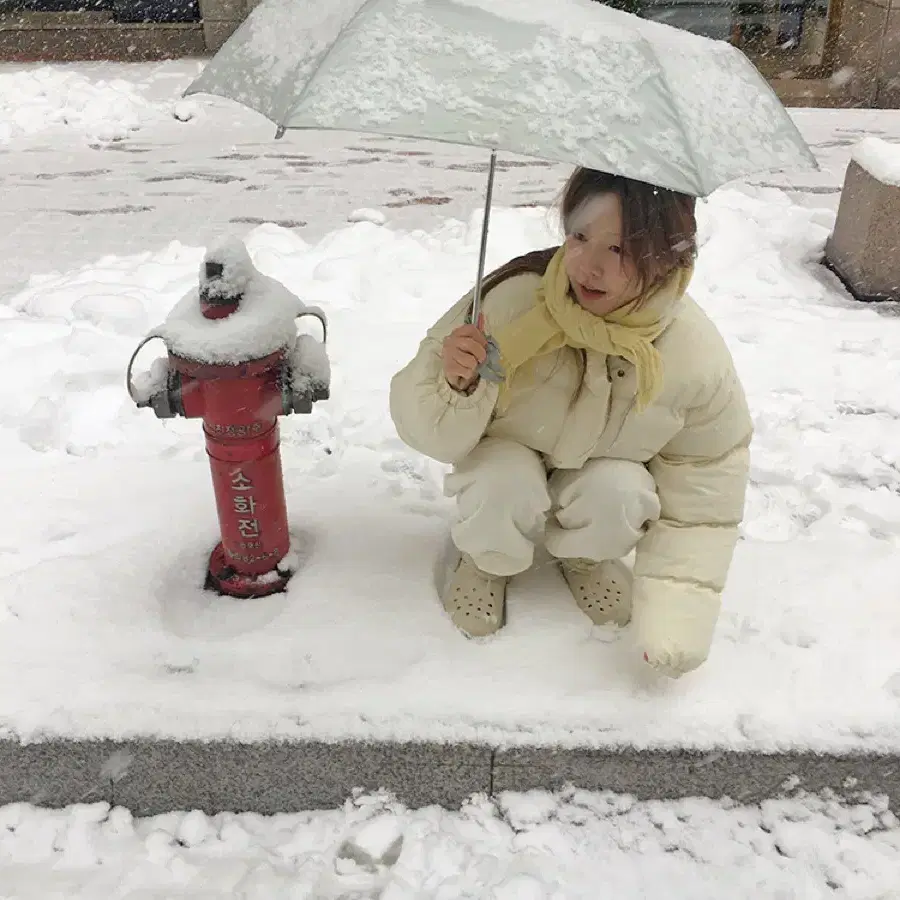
[{"x": 659, "y": 228}]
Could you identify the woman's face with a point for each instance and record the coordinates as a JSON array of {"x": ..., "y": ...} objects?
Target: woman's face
[{"x": 602, "y": 278}]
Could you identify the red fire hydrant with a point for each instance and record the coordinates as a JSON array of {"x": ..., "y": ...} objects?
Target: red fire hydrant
[{"x": 235, "y": 361}]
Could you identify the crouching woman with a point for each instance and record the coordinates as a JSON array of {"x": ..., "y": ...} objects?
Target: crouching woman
[{"x": 619, "y": 424}]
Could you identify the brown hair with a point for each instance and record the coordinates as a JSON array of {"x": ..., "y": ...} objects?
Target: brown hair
[{"x": 659, "y": 228}]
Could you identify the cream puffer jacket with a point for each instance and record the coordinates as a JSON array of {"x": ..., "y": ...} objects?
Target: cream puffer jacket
[{"x": 575, "y": 405}]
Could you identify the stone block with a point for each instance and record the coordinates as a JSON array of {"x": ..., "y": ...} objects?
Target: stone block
[
  {"x": 888, "y": 96},
  {"x": 290, "y": 777},
  {"x": 864, "y": 248},
  {"x": 54, "y": 773},
  {"x": 859, "y": 47},
  {"x": 223, "y": 10},
  {"x": 29, "y": 20},
  {"x": 123, "y": 43},
  {"x": 152, "y": 776},
  {"x": 652, "y": 774}
]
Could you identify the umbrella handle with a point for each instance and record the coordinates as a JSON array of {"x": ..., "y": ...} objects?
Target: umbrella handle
[{"x": 482, "y": 254}]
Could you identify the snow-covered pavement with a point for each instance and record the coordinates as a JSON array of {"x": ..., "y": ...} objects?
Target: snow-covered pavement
[
  {"x": 537, "y": 846},
  {"x": 104, "y": 628},
  {"x": 112, "y": 190},
  {"x": 107, "y": 160}
]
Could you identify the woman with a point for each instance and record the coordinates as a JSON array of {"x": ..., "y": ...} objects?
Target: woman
[{"x": 619, "y": 424}]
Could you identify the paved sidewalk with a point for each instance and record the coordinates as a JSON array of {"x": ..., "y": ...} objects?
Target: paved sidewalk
[{"x": 68, "y": 204}]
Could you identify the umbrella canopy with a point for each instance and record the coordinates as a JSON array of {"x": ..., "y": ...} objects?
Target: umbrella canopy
[{"x": 570, "y": 81}]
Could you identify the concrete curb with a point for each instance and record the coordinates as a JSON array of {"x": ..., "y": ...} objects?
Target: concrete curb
[{"x": 153, "y": 776}]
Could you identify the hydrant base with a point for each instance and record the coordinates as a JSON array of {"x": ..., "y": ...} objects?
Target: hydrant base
[{"x": 222, "y": 578}]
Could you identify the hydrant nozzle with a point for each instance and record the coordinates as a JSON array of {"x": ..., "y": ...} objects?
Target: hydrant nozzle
[{"x": 217, "y": 298}]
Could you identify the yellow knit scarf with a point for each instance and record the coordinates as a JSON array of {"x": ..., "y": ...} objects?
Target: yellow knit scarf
[{"x": 557, "y": 320}]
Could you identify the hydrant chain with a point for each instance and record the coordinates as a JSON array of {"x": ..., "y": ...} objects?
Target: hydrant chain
[
  {"x": 129, "y": 372},
  {"x": 317, "y": 314}
]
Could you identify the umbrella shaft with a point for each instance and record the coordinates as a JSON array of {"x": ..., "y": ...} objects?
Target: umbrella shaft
[{"x": 476, "y": 302}]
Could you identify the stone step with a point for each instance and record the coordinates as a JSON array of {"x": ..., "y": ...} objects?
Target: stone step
[
  {"x": 27, "y": 20},
  {"x": 151, "y": 776},
  {"x": 102, "y": 42}
]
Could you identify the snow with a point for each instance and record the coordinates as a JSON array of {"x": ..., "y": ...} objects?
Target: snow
[
  {"x": 375, "y": 216},
  {"x": 535, "y": 846},
  {"x": 234, "y": 278},
  {"x": 263, "y": 322},
  {"x": 39, "y": 99},
  {"x": 104, "y": 627},
  {"x": 378, "y": 841},
  {"x": 274, "y": 29},
  {"x": 880, "y": 158},
  {"x": 150, "y": 382},
  {"x": 365, "y": 858},
  {"x": 334, "y": 656},
  {"x": 310, "y": 366}
]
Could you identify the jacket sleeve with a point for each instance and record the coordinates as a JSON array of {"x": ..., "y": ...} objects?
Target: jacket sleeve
[
  {"x": 683, "y": 560},
  {"x": 429, "y": 415}
]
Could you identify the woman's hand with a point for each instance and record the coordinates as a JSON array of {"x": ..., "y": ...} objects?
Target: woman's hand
[{"x": 464, "y": 350}]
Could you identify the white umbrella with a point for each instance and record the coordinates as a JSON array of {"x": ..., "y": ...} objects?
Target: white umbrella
[{"x": 570, "y": 81}]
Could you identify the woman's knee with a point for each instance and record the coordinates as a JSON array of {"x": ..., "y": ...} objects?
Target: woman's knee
[
  {"x": 500, "y": 469},
  {"x": 610, "y": 486}
]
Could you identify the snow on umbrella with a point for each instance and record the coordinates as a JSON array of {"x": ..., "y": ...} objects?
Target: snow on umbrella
[{"x": 572, "y": 81}]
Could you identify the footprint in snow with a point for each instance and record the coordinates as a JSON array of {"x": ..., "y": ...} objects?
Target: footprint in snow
[
  {"x": 363, "y": 863},
  {"x": 405, "y": 475}
]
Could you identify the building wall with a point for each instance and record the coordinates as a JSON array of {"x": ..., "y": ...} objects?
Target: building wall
[
  {"x": 865, "y": 70},
  {"x": 869, "y": 48}
]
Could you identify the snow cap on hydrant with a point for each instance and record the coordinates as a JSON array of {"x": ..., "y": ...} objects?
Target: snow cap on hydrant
[
  {"x": 225, "y": 275},
  {"x": 253, "y": 314},
  {"x": 236, "y": 361}
]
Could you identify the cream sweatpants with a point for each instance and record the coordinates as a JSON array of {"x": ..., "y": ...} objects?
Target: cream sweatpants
[{"x": 504, "y": 497}]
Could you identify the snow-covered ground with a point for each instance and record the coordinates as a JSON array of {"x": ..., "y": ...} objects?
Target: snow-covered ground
[
  {"x": 200, "y": 168},
  {"x": 104, "y": 628},
  {"x": 50, "y": 100},
  {"x": 573, "y": 846}
]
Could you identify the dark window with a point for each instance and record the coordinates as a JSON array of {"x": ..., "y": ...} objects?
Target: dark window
[
  {"x": 778, "y": 35},
  {"x": 118, "y": 10}
]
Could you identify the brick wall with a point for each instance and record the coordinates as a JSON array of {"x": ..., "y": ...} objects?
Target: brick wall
[{"x": 31, "y": 36}]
